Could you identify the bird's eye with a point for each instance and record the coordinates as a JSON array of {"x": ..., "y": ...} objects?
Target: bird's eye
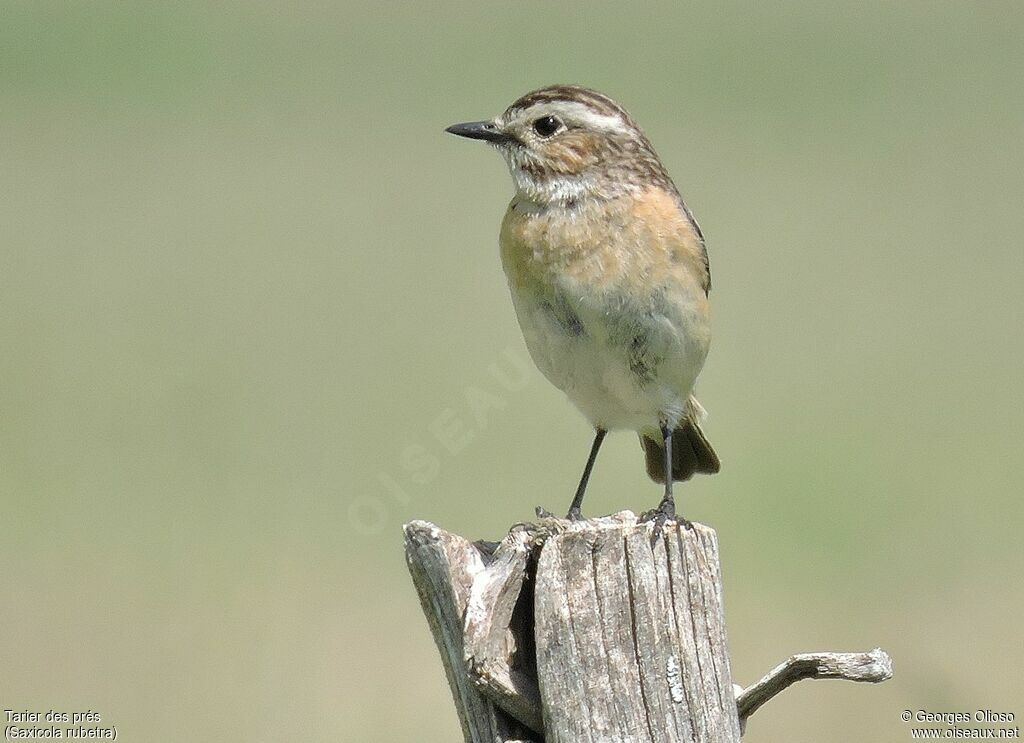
[{"x": 545, "y": 126}]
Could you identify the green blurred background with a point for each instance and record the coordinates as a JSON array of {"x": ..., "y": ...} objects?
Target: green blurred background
[{"x": 243, "y": 273}]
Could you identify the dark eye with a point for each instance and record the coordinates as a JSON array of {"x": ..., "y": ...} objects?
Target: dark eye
[{"x": 545, "y": 126}]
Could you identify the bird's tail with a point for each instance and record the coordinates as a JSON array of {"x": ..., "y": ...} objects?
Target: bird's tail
[{"x": 691, "y": 451}]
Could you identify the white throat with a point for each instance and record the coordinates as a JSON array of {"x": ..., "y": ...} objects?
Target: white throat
[{"x": 551, "y": 189}]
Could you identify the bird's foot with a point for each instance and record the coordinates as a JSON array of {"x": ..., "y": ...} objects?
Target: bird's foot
[
  {"x": 573, "y": 515},
  {"x": 666, "y": 511}
]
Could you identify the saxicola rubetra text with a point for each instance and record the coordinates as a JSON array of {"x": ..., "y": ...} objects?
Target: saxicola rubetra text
[{"x": 609, "y": 275}]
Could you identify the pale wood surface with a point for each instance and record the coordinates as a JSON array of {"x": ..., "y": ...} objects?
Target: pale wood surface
[
  {"x": 873, "y": 667},
  {"x": 443, "y": 567},
  {"x": 607, "y": 630},
  {"x": 498, "y": 650},
  {"x": 631, "y": 642}
]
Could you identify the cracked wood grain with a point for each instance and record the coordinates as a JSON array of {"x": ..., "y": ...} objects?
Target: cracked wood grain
[
  {"x": 444, "y": 567},
  {"x": 498, "y": 629},
  {"x": 871, "y": 667},
  {"x": 599, "y": 631},
  {"x": 631, "y": 637}
]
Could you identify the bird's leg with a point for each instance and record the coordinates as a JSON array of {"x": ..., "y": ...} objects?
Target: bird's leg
[
  {"x": 577, "y": 501},
  {"x": 667, "y": 507},
  {"x": 666, "y": 510}
]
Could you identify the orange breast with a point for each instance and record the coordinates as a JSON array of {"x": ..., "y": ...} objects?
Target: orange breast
[{"x": 636, "y": 243}]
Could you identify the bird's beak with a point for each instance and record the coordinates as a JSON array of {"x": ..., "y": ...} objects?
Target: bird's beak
[{"x": 485, "y": 130}]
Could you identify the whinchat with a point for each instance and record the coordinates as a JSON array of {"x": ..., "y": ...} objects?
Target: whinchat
[{"x": 609, "y": 275}]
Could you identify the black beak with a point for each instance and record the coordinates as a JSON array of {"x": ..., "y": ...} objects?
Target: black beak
[{"x": 485, "y": 130}]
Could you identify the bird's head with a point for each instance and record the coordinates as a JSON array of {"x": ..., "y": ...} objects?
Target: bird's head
[{"x": 565, "y": 143}]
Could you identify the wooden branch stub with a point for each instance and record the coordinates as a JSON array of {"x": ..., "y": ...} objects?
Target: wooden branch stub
[{"x": 872, "y": 667}]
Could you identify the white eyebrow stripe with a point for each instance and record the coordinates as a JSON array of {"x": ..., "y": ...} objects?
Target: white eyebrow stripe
[{"x": 579, "y": 112}]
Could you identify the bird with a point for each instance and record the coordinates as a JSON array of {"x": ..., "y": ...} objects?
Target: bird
[{"x": 609, "y": 276}]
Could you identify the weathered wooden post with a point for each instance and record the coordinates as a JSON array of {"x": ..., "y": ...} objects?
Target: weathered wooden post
[{"x": 594, "y": 631}]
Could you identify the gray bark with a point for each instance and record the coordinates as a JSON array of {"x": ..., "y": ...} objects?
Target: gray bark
[
  {"x": 605, "y": 630},
  {"x": 443, "y": 568},
  {"x": 631, "y": 642},
  {"x": 872, "y": 667}
]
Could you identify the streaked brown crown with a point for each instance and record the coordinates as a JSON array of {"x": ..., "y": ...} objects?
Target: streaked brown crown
[
  {"x": 597, "y": 102},
  {"x": 597, "y": 147}
]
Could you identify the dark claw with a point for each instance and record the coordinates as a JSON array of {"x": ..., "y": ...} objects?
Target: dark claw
[
  {"x": 653, "y": 515},
  {"x": 666, "y": 511},
  {"x": 574, "y": 515}
]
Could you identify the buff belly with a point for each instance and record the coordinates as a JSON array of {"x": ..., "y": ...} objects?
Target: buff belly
[{"x": 626, "y": 363}]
